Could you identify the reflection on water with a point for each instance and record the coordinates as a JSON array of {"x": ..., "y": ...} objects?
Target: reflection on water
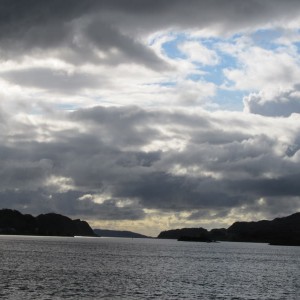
[{"x": 95, "y": 268}]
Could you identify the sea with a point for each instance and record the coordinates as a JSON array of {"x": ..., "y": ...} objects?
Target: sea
[{"x": 120, "y": 268}]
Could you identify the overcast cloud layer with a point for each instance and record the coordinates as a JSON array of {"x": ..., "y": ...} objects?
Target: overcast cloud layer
[{"x": 148, "y": 115}]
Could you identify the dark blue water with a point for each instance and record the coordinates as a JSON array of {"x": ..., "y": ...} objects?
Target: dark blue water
[{"x": 98, "y": 268}]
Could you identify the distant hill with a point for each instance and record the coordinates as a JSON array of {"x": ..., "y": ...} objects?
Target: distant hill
[
  {"x": 51, "y": 224},
  {"x": 280, "y": 231},
  {"x": 117, "y": 233}
]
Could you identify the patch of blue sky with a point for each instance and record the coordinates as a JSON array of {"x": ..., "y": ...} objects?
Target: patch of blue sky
[
  {"x": 264, "y": 38},
  {"x": 297, "y": 45},
  {"x": 214, "y": 73},
  {"x": 267, "y": 38},
  {"x": 162, "y": 83},
  {"x": 230, "y": 99},
  {"x": 171, "y": 47},
  {"x": 168, "y": 83},
  {"x": 224, "y": 98},
  {"x": 209, "y": 42},
  {"x": 213, "y": 42},
  {"x": 196, "y": 77}
]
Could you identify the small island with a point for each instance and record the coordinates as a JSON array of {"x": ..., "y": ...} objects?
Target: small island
[{"x": 195, "y": 239}]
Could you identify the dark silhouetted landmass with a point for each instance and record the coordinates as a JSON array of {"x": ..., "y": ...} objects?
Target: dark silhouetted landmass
[
  {"x": 13, "y": 222},
  {"x": 195, "y": 239},
  {"x": 117, "y": 233},
  {"x": 185, "y": 234},
  {"x": 280, "y": 231}
]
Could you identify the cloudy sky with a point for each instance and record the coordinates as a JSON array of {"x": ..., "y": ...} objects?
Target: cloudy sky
[{"x": 150, "y": 115}]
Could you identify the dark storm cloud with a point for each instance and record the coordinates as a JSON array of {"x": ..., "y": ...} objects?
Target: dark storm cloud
[
  {"x": 24, "y": 173},
  {"x": 49, "y": 25},
  {"x": 219, "y": 137},
  {"x": 77, "y": 27},
  {"x": 70, "y": 203},
  {"x": 134, "y": 115},
  {"x": 39, "y": 201},
  {"x": 219, "y": 168},
  {"x": 176, "y": 193},
  {"x": 119, "y": 126},
  {"x": 56, "y": 80},
  {"x": 109, "y": 39},
  {"x": 287, "y": 185}
]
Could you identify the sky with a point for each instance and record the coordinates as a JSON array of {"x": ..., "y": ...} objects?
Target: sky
[{"x": 150, "y": 115}]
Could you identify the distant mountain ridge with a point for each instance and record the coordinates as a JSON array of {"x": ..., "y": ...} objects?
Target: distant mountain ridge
[
  {"x": 51, "y": 224},
  {"x": 118, "y": 233},
  {"x": 280, "y": 231}
]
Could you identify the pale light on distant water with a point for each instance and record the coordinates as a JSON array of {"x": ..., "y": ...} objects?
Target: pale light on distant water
[{"x": 115, "y": 268}]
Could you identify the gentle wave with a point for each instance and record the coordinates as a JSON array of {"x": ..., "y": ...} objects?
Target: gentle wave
[{"x": 117, "y": 268}]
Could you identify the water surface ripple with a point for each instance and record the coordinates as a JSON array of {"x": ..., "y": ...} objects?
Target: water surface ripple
[{"x": 111, "y": 268}]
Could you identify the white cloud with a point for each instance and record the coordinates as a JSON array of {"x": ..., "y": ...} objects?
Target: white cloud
[
  {"x": 274, "y": 103},
  {"x": 196, "y": 52},
  {"x": 264, "y": 69}
]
